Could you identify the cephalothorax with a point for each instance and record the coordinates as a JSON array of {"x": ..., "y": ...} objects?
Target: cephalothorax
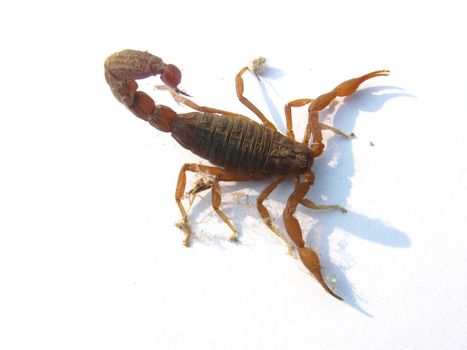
[{"x": 241, "y": 149}]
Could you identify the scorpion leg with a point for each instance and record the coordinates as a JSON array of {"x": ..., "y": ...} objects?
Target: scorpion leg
[
  {"x": 312, "y": 205},
  {"x": 314, "y": 127},
  {"x": 216, "y": 202},
  {"x": 187, "y": 102},
  {"x": 288, "y": 114},
  {"x": 220, "y": 174},
  {"x": 300, "y": 103},
  {"x": 264, "y": 213},
  {"x": 239, "y": 87},
  {"x": 309, "y": 258},
  {"x": 336, "y": 131}
]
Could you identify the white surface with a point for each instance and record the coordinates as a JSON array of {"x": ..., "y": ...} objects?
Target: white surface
[{"x": 89, "y": 255}]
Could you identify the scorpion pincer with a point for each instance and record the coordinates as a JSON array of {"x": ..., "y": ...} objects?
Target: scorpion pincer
[{"x": 240, "y": 148}]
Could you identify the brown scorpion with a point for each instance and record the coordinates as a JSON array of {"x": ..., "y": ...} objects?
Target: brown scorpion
[{"x": 241, "y": 148}]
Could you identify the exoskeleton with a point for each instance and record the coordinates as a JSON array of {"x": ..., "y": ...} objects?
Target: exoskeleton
[{"x": 240, "y": 148}]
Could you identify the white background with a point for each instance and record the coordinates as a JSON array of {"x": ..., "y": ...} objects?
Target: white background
[{"x": 89, "y": 254}]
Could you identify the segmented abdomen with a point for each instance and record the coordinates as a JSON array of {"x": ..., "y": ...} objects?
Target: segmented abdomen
[{"x": 237, "y": 143}]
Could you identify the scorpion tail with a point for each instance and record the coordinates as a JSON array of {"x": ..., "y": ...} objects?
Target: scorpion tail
[
  {"x": 311, "y": 261},
  {"x": 123, "y": 68}
]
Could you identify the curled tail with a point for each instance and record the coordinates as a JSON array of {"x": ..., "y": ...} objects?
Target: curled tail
[
  {"x": 311, "y": 261},
  {"x": 123, "y": 68}
]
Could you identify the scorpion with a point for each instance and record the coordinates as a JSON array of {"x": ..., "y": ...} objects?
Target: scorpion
[{"x": 240, "y": 148}]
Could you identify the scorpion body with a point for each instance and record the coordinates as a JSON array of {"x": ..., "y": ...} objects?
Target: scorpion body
[
  {"x": 241, "y": 149},
  {"x": 239, "y": 144}
]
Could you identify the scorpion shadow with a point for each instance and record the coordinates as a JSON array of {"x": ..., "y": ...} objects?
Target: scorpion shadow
[
  {"x": 327, "y": 176},
  {"x": 341, "y": 172}
]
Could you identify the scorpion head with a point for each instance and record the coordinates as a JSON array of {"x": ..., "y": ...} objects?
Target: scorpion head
[
  {"x": 290, "y": 156},
  {"x": 299, "y": 157}
]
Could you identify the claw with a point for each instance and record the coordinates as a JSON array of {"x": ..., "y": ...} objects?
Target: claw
[{"x": 311, "y": 261}]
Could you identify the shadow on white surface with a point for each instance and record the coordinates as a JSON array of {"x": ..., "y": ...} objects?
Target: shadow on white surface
[
  {"x": 332, "y": 182},
  {"x": 335, "y": 183},
  {"x": 89, "y": 256}
]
